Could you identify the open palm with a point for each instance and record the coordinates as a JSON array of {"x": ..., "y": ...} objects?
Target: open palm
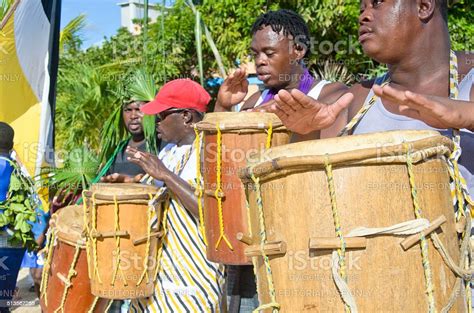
[{"x": 302, "y": 114}]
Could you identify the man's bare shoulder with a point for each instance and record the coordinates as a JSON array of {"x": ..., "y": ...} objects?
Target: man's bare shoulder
[{"x": 360, "y": 91}]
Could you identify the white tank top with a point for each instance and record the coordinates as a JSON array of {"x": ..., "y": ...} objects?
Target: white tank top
[
  {"x": 378, "y": 119},
  {"x": 313, "y": 93}
]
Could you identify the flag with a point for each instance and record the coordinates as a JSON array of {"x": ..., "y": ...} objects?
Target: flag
[{"x": 29, "y": 41}]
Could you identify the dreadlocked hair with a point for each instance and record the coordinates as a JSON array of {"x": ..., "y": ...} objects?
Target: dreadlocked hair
[{"x": 287, "y": 21}]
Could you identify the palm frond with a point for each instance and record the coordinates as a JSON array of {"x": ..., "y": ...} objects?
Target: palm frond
[
  {"x": 112, "y": 134},
  {"x": 70, "y": 33},
  {"x": 334, "y": 72},
  {"x": 77, "y": 174},
  {"x": 142, "y": 87}
]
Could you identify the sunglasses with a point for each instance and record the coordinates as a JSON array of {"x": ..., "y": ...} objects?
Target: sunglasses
[{"x": 161, "y": 116}]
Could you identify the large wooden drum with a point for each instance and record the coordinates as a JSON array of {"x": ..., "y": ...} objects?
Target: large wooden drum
[
  {"x": 309, "y": 201},
  {"x": 122, "y": 240},
  {"x": 229, "y": 138},
  {"x": 66, "y": 279}
]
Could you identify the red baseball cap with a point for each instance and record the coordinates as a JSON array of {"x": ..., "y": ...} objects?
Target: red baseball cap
[{"x": 180, "y": 94}]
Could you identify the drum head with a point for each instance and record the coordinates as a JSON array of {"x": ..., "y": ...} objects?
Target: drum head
[
  {"x": 242, "y": 121},
  {"x": 68, "y": 223}
]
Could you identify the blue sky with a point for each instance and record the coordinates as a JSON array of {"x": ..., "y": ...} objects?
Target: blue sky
[{"x": 102, "y": 17}]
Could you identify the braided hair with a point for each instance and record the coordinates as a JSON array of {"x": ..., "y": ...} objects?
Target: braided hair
[{"x": 287, "y": 21}]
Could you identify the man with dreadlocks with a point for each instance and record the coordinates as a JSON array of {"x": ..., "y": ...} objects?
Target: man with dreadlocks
[{"x": 280, "y": 44}]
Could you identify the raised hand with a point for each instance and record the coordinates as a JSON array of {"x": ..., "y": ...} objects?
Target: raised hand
[
  {"x": 435, "y": 111},
  {"x": 148, "y": 162},
  {"x": 302, "y": 114},
  {"x": 232, "y": 91}
]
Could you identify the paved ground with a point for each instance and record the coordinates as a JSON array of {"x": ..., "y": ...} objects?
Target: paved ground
[{"x": 29, "y": 301}]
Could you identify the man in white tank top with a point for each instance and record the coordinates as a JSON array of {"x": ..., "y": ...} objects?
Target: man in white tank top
[
  {"x": 279, "y": 45},
  {"x": 412, "y": 38},
  {"x": 421, "y": 66}
]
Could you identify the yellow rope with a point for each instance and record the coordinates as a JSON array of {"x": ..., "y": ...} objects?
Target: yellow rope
[
  {"x": 269, "y": 136},
  {"x": 70, "y": 275},
  {"x": 46, "y": 267},
  {"x": 148, "y": 241},
  {"x": 337, "y": 224},
  {"x": 94, "y": 239},
  {"x": 219, "y": 192},
  {"x": 263, "y": 239},
  {"x": 117, "y": 245},
  {"x": 423, "y": 242},
  {"x": 86, "y": 231},
  {"x": 199, "y": 187},
  {"x": 94, "y": 304}
]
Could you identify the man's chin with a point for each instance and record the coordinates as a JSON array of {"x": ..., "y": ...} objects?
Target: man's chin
[{"x": 136, "y": 132}]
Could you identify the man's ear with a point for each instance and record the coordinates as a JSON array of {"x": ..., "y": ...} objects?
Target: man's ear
[
  {"x": 426, "y": 9},
  {"x": 188, "y": 117}
]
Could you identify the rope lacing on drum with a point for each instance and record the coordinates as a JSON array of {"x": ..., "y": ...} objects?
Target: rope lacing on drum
[
  {"x": 219, "y": 192},
  {"x": 85, "y": 230},
  {"x": 199, "y": 188},
  {"x": 148, "y": 241},
  {"x": 70, "y": 275},
  {"x": 263, "y": 240},
  {"x": 423, "y": 241},
  {"x": 337, "y": 226},
  {"x": 47, "y": 265},
  {"x": 269, "y": 131},
  {"x": 94, "y": 239},
  {"x": 118, "y": 255}
]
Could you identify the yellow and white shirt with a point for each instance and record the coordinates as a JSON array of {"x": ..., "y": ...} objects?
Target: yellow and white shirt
[{"x": 187, "y": 281}]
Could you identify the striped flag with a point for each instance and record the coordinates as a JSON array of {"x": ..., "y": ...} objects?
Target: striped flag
[{"x": 29, "y": 44}]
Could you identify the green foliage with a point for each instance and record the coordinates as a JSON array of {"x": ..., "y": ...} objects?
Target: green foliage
[
  {"x": 461, "y": 25},
  {"x": 19, "y": 209},
  {"x": 69, "y": 37},
  {"x": 5, "y": 5},
  {"x": 92, "y": 83},
  {"x": 76, "y": 175}
]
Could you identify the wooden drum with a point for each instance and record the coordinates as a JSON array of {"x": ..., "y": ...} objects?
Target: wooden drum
[
  {"x": 352, "y": 211},
  {"x": 65, "y": 279},
  {"x": 229, "y": 138},
  {"x": 123, "y": 233}
]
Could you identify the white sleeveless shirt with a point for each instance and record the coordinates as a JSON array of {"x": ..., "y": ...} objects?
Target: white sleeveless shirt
[{"x": 378, "y": 119}]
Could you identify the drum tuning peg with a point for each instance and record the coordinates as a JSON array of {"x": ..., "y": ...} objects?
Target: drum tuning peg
[{"x": 244, "y": 238}]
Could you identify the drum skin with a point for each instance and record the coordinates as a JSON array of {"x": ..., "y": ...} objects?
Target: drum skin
[
  {"x": 372, "y": 189},
  {"x": 242, "y": 135},
  {"x": 68, "y": 224},
  {"x": 132, "y": 201}
]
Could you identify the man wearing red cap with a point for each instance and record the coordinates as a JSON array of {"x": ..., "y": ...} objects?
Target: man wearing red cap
[{"x": 187, "y": 281}]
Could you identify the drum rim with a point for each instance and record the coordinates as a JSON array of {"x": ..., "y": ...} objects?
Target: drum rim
[
  {"x": 107, "y": 193},
  {"x": 432, "y": 144},
  {"x": 233, "y": 121}
]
